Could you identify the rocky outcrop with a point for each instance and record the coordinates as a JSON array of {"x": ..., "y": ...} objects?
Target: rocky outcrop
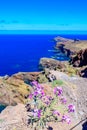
[
  {"x": 51, "y": 64},
  {"x": 68, "y": 46},
  {"x": 13, "y": 91},
  {"x": 62, "y": 39},
  {"x": 77, "y": 51},
  {"x": 80, "y": 59},
  {"x": 16, "y": 118},
  {"x": 27, "y": 76},
  {"x": 75, "y": 91}
]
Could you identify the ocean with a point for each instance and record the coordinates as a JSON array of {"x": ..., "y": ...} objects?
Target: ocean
[{"x": 21, "y": 53}]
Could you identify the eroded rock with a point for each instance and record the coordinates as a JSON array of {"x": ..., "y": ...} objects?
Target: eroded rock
[
  {"x": 80, "y": 59},
  {"x": 27, "y": 76},
  {"x": 51, "y": 64},
  {"x": 13, "y": 91}
]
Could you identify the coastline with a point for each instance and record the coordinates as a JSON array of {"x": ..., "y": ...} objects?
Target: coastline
[{"x": 15, "y": 89}]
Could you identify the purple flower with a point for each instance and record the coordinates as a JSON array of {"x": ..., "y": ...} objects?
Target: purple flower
[
  {"x": 31, "y": 96},
  {"x": 66, "y": 118},
  {"x": 58, "y": 91},
  {"x": 37, "y": 113},
  {"x": 35, "y": 93},
  {"x": 56, "y": 113},
  {"x": 35, "y": 83},
  {"x": 38, "y": 89},
  {"x": 63, "y": 100},
  {"x": 39, "y": 92},
  {"x": 71, "y": 108},
  {"x": 47, "y": 100},
  {"x": 42, "y": 93}
]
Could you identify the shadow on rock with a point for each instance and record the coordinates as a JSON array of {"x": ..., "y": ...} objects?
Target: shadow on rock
[
  {"x": 83, "y": 73},
  {"x": 50, "y": 128},
  {"x": 84, "y": 126}
]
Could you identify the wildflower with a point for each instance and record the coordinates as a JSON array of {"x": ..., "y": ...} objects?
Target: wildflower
[
  {"x": 37, "y": 113},
  {"x": 47, "y": 100},
  {"x": 58, "y": 91},
  {"x": 42, "y": 93},
  {"x": 63, "y": 100},
  {"x": 39, "y": 92},
  {"x": 35, "y": 83},
  {"x": 55, "y": 112},
  {"x": 31, "y": 96},
  {"x": 66, "y": 119},
  {"x": 35, "y": 93},
  {"x": 71, "y": 108}
]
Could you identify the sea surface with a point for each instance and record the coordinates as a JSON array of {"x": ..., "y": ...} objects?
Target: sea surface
[{"x": 21, "y": 53}]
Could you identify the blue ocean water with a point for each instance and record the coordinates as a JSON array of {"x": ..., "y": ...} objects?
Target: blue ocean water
[{"x": 21, "y": 53}]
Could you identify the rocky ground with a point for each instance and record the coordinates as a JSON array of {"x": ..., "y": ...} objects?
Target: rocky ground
[
  {"x": 15, "y": 89},
  {"x": 15, "y": 117}
]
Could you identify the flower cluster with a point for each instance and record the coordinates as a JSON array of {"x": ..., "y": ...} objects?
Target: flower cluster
[
  {"x": 71, "y": 108},
  {"x": 38, "y": 90},
  {"x": 66, "y": 118},
  {"x": 48, "y": 108},
  {"x": 36, "y": 113},
  {"x": 58, "y": 91}
]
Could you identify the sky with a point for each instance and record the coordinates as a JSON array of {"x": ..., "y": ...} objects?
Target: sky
[{"x": 43, "y": 15}]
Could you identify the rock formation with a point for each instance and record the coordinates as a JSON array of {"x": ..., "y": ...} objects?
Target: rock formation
[
  {"x": 80, "y": 59},
  {"x": 51, "y": 64},
  {"x": 13, "y": 91}
]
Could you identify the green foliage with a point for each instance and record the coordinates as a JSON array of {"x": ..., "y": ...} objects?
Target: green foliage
[{"x": 57, "y": 83}]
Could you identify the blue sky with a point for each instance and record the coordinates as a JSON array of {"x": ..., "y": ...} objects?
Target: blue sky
[{"x": 43, "y": 15}]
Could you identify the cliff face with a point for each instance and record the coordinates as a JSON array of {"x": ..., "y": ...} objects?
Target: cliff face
[
  {"x": 77, "y": 51},
  {"x": 80, "y": 59},
  {"x": 69, "y": 46}
]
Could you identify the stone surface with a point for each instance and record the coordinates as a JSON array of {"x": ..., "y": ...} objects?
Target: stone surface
[
  {"x": 27, "y": 76},
  {"x": 51, "y": 64},
  {"x": 13, "y": 91},
  {"x": 15, "y": 117},
  {"x": 75, "y": 90}
]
